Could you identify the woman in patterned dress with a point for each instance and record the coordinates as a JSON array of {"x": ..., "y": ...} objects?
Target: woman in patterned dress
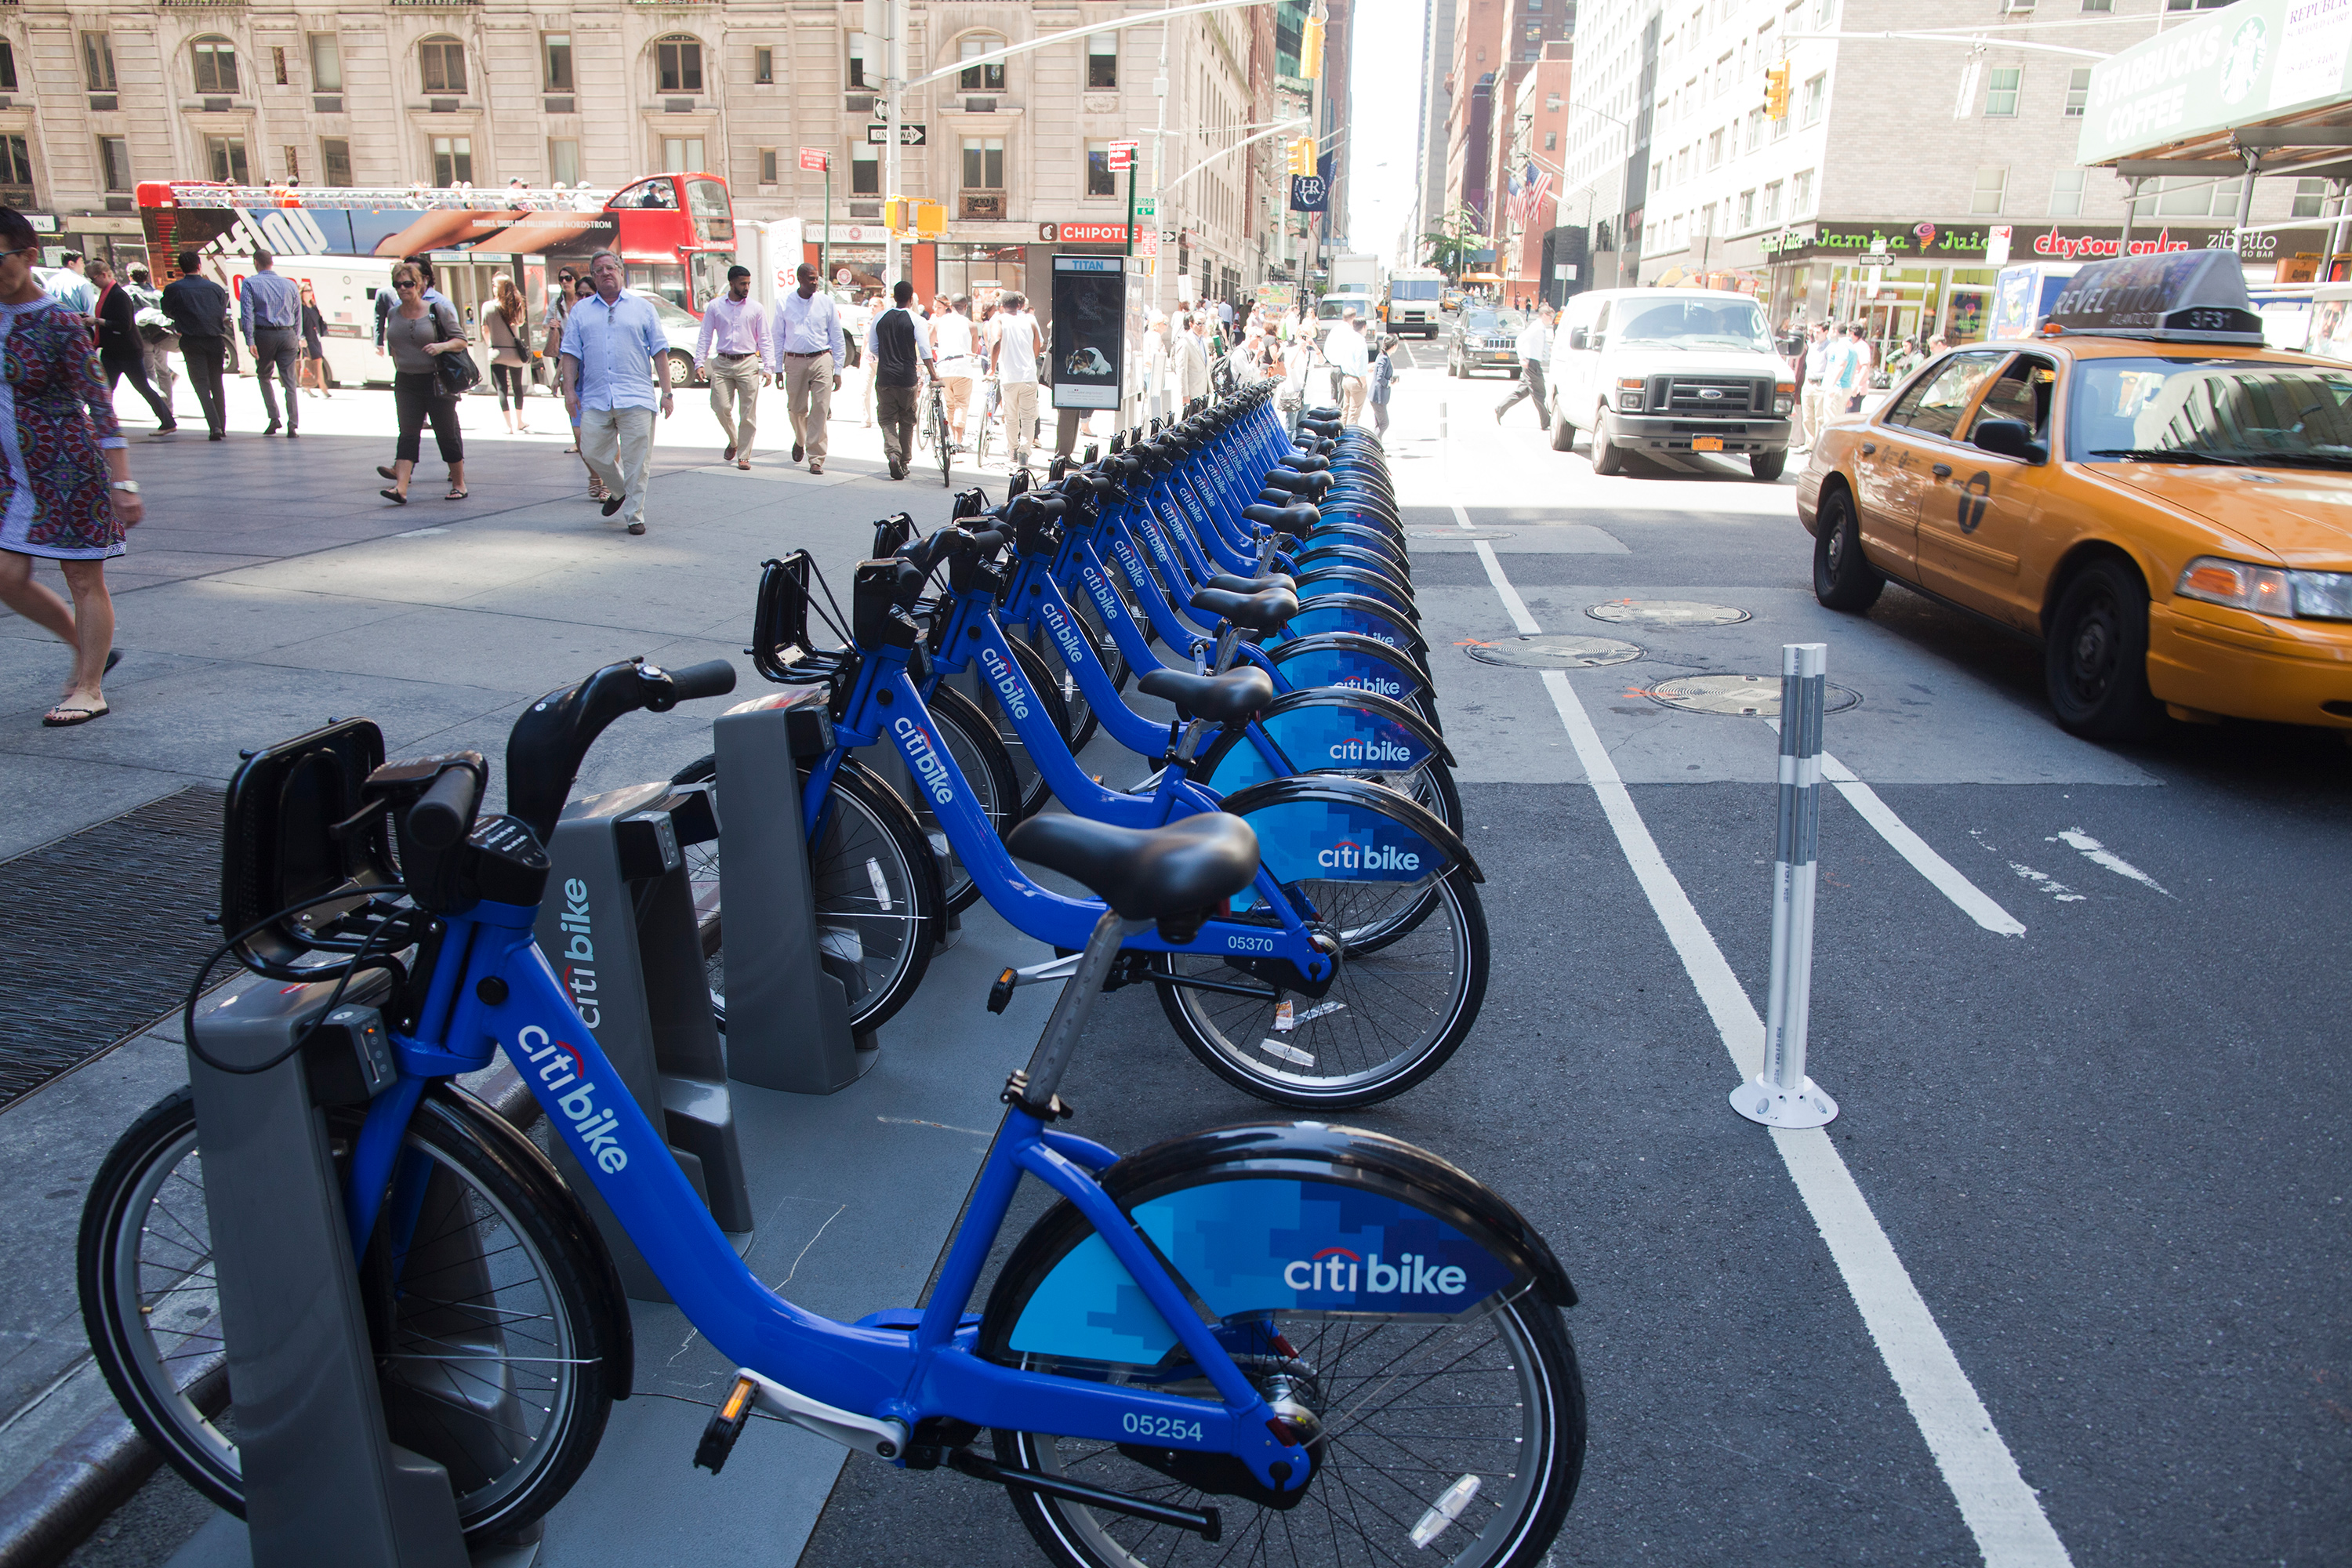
[{"x": 66, "y": 491}]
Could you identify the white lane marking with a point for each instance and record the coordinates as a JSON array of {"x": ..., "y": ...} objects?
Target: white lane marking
[
  {"x": 1999, "y": 1509},
  {"x": 2099, "y": 854},
  {"x": 2048, "y": 883},
  {"x": 1940, "y": 873}
]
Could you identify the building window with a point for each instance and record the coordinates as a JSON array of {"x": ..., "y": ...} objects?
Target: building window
[
  {"x": 16, "y": 162},
  {"x": 97, "y": 62},
  {"x": 226, "y": 156},
  {"x": 984, "y": 163},
  {"x": 216, "y": 61},
  {"x": 2194, "y": 5},
  {"x": 1748, "y": 209},
  {"x": 2098, "y": 4},
  {"x": 564, "y": 160},
  {"x": 1992, "y": 188},
  {"x": 2189, "y": 197},
  {"x": 1551, "y": 103},
  {"x": 293, "y": 158},
  {"x": 555, "y": 56},
  {"x": 763, "y": 67},
  {"x": 1551, "y": 141},
  {"x": 443, "y": 59},
  {"x": 1772, "y": 204},
  {"x": 2310, "y": 198},
  {"x": 453, "y": 161},
  {"x": 2078, "y": 92},
  {"x": 1801, "y": 195},
  {"x": 858, "y": 60},
  {"x": 681, "y": 154},
  {"x": 114, "y": 162},
  {"x": 864, "y": 171},
  {"x": 335, "y": 160},
  {"x": 989, "y": 77},
  {"x": 2066, "y": 193},
  {"x": 678, "y": 64},
  {"x": 326, "y": 64},
  {"x": 1102, "y": 60},
  {"x": 1715, "y": 150},
  {"x": 768, "y": 165},
  {"x": 2000, "y": 91},
  {"x": 7, "y": 66},
  {"x": 277, "y": 67},
  {"x": 1755, "y": 129},
  {"x": 1816, "y": 89},
  {"x": 1100, "y": 180}
]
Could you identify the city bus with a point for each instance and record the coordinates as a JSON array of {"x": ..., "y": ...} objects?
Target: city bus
[{"x": 674, "y": 234}]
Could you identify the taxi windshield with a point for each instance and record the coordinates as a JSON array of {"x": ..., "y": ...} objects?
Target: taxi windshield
[{"x": 2229, "y": 412}]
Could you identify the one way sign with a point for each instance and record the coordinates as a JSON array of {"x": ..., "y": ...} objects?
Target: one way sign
[{"x": 877, "y": 134}]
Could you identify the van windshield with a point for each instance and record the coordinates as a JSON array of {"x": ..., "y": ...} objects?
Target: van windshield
[
  {"x": 1417, "y": 288},
  {"x": 1694, "y": 324}
]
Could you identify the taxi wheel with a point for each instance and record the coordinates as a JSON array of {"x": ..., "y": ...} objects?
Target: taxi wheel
[
  {"x": 2095, "y": 664},
  {"x": 1844, "y": 579}
]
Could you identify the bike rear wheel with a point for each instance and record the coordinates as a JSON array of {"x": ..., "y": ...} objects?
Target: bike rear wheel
[{"x": 492, "y": 1343}]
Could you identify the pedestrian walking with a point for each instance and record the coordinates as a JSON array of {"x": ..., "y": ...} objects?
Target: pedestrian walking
[
  {"x": 198, "y": 308},
  {"x": 1534, "y": 346},
  {"x": 314, "y": 344},
  {"x": 732, "y": 354},
  {"x": 1864, "y": 359},
  {"x": 156, "y": 337},
  {"x": 1188, "y": 357},
  {"x": 386, "y": 302},
  {"x": 900, "y": 343},
  {"x": 1384, "y": 385},
  {"x": 120, "y": 351},
  {"x": 70, "y": 287},
  {"x": 1817, "y": 365},
  {"x": 418, "y": 332},
  {"x": 506, "y": 328},
  {"x": 550, "y": 322},
  {"x": 66, "y": 491},
  {"x": 580, "y": 289},
  {"x": 613, "y": 346},
  {"x": 1842, "y": 379},
  {"x": 954, "y": 343},
  {"x": 1345, "y": 351},
  {"x": 269, "y": 319},
  {"x": 1020, "y": 344},
  {"x": 804, "y": 340}
]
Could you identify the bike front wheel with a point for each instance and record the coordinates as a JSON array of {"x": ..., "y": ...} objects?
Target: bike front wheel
[{"x": 491, "y": 1343}]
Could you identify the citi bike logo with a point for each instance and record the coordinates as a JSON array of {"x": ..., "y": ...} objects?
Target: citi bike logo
[
  {"x": 1007, "y": 684},
  {"x": 1336, "y": 1269},
  {"x": 925, "y": 760},
  {"x": 1105, "y": 600},
  {"x": 1126, "y": 559},
  {"x": 559, "y": 1068},
  {"x": 580, "y": 953},
  {"x": 1348, "y": 856},
  {"x": 1379, "y": 749},
  {"x": 1064, "y": 634},
  {"x": 1373, "y": 683}
]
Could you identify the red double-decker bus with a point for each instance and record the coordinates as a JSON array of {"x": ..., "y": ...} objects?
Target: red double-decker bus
[{"x": 676, "y": 232}]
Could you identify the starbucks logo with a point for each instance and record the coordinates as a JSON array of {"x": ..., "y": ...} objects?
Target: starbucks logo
[{"x": 2248, "y": 47}]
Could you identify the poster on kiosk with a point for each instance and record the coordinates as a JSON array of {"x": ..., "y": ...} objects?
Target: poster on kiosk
[{"x": 1089, "y": 336}]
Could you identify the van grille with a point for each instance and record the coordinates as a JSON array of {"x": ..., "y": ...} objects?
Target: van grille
[{"x": 1709, "y": 396}]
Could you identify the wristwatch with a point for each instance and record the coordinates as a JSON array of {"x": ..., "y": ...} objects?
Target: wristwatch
[{"x": 129, "y": 486}]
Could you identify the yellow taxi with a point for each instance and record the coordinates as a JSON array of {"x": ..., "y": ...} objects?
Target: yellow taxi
[{"x": 2161, "y": 501}]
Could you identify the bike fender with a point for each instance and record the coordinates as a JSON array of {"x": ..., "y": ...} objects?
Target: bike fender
[
  {"x": 1345, "y": 658},
  {"x": 1366, "y": 617},
  {"x": 1329, "y": 828},
  {"x": 1323, "y": 581},
  {"x": 1326, "y": 730}
]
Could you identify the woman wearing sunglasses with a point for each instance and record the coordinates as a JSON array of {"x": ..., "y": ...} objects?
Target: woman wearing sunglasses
[
  {"x": 66, "y": 491},
  {"x": 418, "y": 332}
]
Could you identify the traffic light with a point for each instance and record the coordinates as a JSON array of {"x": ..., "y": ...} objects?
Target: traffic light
[
  {"x": 1310, "y": 48},
  {"x": 1302, "y": 155},
  {"x": 1776, "y": 91}
]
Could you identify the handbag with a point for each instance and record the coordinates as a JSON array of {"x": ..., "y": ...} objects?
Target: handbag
[{"x": 457, "y": 371}]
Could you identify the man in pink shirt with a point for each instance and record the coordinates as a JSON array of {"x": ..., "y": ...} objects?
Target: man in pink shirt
[{"x": 731, "y": 353}]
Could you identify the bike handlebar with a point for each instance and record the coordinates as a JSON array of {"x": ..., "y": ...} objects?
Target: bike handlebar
[
  {"x": 444, "y": 812},
  {"x": 714, "y": 678}
]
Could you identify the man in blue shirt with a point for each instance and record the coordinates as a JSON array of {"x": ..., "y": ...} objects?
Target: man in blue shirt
[
  {"x": 613, "y": 345},
  {"x": 68, "y": 285},
  {"x": 269, "y": 319}
]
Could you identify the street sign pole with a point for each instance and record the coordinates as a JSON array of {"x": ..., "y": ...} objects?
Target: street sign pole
[
  {"x": 1130, "y": 208},
  {"x": 825, "y": 251}
]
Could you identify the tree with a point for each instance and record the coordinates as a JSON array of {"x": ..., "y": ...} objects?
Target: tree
[{"x": 1449, "y": 245}]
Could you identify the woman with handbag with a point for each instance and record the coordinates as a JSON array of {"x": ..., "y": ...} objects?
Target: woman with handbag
[
  {"x": 507, "y": 325},
  {"x": 313, "y": 372},
  {"x": 422, "y": 336}
]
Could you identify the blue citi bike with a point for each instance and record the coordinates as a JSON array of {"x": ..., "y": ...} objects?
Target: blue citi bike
[{"x": 1300, "y": 1343}]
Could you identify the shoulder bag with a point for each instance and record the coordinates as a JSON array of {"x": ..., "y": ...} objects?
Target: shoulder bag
[{"x": 458, "y": 370}]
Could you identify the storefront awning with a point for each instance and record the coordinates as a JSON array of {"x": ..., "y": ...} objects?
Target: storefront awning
[{"x": 2273, "y": 77}]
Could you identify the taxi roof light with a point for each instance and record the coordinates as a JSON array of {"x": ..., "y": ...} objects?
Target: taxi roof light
[{"x": 2193, "y": 296}]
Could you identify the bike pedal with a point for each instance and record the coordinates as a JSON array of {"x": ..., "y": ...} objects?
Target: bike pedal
[
  {"x": 727, "y": 1423},
  {"x": 1000, "y": 995}
]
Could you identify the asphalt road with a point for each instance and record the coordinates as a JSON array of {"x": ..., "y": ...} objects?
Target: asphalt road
[{"x": 2105, "y": 1156}]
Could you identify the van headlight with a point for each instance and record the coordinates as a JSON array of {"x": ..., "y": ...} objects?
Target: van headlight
[
  {"x": 1629, "y": 395},
  {"x": 1784, "y": 396},
  {"x": 2268, "y": 590}
]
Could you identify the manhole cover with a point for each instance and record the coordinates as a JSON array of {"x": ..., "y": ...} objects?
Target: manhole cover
[
  {"x": 1554, "y": 650},
  {"x": 1742, "y": 696},
  {"x": 1666, "y": 613},
  {"x": 1457, "y": 533}
]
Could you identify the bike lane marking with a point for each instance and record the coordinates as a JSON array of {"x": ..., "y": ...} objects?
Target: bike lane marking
[{"x": 2001, "y": 1510}]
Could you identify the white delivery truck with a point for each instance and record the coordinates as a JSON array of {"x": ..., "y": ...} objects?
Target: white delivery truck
[
  {"x": 1669, "y": 370},
  {"x": 1354, "y": 272},
  {"x": 1415, "y": 297}
]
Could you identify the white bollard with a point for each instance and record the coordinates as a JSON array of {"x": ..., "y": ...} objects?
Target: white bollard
[{"x": 1782, "y": 1095}]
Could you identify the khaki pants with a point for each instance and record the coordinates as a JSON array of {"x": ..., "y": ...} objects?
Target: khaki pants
[
  {"x": 808, "y": 399},
  {"x": 1352, "y": 398},
  {"x": 619, "y": 443},
  {"x": 897, "y": 406},
  {"x": 735, "y": 398},
  {"x": 958, "y": 391},
  {"x": 1812, "y": 410},
  {"x": 1020, "y": 419}
]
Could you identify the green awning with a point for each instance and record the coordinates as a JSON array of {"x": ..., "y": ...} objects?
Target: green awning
[{"x": 2259, "y": 63}]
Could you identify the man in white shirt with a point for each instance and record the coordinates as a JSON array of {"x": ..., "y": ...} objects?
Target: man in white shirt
[
  {"x": 804, "y": 350},
  {"x": 1534, "y": 348},
  {"x": 1345, "y": 353},
  {"x": 1189, "y": 358},
  {"x": 731, "y": 353},
  {"x": 956, "y": 344},
  {"x": 1818, "y": 354},
  {"x": 1019, "y": 344}
]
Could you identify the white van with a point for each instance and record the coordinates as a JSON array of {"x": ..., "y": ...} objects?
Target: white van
[{"x": 1669, "y": 370}]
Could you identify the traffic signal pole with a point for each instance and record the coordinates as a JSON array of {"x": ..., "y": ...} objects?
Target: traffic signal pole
[{"x": 894, "y": 87}]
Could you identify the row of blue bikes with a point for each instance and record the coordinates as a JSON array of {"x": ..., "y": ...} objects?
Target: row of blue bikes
[{"x": 1282, "y": 1341}]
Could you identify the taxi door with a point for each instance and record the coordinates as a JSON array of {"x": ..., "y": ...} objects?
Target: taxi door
[
  {"x": 1900, "y": 459},
  {"x": 1973, "y": 526}
]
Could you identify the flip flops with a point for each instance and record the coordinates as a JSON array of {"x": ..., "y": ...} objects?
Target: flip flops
[
  {"x": 51, "y": 721},
  {"x": 393, "y": 496}
]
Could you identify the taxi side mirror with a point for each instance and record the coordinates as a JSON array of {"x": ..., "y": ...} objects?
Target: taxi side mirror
[
  {"x": 2009, "y": 438},
  {"x": 1578, "y": 337}
]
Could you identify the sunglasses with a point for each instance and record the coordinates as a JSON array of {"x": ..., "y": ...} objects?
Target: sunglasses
[{"x": 405, "y": 283}]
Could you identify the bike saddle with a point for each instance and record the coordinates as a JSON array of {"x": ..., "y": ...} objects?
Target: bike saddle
[
  {"x": 1307, "y": 463},
  {"x": 1293, "y": 482},
  {"x": 1226, "y": 582},
  {"x": 1233, "y": 698},
  {"x": 1187, "y": 865},
  {"x": 1266, "y": 612},
  {"x": 1297, "y": 521}
]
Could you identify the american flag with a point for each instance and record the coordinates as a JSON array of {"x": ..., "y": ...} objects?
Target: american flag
[{"x": 1528, "y": 193}]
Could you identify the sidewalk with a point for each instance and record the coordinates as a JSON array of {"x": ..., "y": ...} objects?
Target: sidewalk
[{"x": 270, "y": 589}]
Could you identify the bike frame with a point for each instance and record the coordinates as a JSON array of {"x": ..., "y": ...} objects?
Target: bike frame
[{"x": 866, "y": 1383}]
